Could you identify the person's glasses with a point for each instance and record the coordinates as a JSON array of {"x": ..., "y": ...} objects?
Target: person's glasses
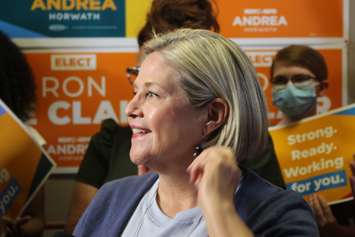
[
  {"x": 299, "y": 80},
  {"x": 132, "y": 73}
]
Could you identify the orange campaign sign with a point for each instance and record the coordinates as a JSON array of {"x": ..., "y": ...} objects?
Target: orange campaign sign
[
  {"x": 262, "y": 59},
  {"x": 24, "y": 166},
  {"x": 290, "y": 18},
  {"x": 76, "y": 90},
  {"x": 315, "y": 154}
]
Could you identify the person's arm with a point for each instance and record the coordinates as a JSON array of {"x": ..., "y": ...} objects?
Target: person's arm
[
  {"x": 334, "y": 229},
  {"x": 91, "y": 175},
  {"x": 215, "y": 174},
  {"x": 327, "y": 223},
  {"x": 31, "y": 223},
  {"x": 82, "y": 196}
]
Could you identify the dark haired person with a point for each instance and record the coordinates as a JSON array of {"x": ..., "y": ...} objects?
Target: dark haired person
[
  {"x": 107, "y": 157},
  {"x": 17, "y": 90},
  {"x": 298, "y": 77},
  {"x": 169, "y": 15}
]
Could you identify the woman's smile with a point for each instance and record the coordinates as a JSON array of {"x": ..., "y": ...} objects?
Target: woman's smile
[{"x": 139, "y": 132}]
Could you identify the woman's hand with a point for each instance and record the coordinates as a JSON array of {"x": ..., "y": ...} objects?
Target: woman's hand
[
  {"x": 321, "y": 210},
  {"x": 215, "y": 175}
]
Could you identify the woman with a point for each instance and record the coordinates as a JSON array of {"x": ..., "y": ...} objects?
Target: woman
[
  {"x": 298, "y": 78},
  {"x": 107, "y": 156},
  {"x": 197, "y": 110}
]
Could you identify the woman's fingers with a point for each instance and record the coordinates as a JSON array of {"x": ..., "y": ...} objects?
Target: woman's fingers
[
  {"x": 196, "y": 168},
  {"x": 318, "y": 212},
  {"x": 327, "y": 212},
  {"x": 214, "y": 170}
]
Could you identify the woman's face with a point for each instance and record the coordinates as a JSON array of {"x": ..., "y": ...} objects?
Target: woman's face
[{"x": 165, "y": 126}]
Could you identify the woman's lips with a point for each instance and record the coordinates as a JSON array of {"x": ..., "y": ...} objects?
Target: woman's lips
[{"x": 139, "y": 132}]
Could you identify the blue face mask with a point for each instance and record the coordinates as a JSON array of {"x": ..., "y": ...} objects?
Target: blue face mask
[{"x": 295, "y": 102}]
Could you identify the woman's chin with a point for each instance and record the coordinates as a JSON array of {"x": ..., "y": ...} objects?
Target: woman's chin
[{"x": 138, "y": 159}]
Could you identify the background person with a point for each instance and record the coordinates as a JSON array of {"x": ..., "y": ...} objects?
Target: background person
[
  {"x": 298, "y": 77},
  {"x": 17, "y": 90},
  {"x": 196, "y": 91}
]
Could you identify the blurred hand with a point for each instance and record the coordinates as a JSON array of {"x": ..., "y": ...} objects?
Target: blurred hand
[
  {"x": 12, "y": 227},
  {"x": 215, "y": 174},
  {"x": 2, "y": 228},
  {"x": 321, "y": 210}
]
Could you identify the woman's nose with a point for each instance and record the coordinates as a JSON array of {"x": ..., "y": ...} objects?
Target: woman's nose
[{"x": 133, "y": 108}]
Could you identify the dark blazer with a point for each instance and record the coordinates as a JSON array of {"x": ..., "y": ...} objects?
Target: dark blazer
[{"x": 265, "y": 208}]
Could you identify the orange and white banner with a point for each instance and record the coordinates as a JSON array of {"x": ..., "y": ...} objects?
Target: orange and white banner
[
  {"x": 24, "y": 165},
  {"x": 76, "y": 90},
  {"x": 288, "y": 18}
]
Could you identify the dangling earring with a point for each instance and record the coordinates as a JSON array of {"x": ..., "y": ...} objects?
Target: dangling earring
[{"x": 198, "y": 150}]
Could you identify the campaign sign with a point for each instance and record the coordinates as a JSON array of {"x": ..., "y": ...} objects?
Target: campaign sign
[
  {"x": 63, "y": 18},
  {"x": 315, "y": 153},
  {"x": 24, "y": 165},
  {"x": 331, "y": 98},
  {"x": 77, "y": 90},
  {"x": 291, "y": 18}
]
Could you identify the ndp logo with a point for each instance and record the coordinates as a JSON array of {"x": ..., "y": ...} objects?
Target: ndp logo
[{"x": 73, "y": 62}]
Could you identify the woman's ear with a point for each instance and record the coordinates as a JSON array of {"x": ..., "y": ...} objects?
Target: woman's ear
[{"x": 217, "y": 115}]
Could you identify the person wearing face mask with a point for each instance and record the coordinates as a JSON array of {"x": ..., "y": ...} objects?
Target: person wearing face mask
[{"x": 298, "y": 78}]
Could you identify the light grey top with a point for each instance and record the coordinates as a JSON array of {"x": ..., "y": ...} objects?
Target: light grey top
[{"x": 149, "y": 220}]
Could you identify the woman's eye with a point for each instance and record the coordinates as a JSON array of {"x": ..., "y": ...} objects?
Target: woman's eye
[{"x": 151, "y": 94}]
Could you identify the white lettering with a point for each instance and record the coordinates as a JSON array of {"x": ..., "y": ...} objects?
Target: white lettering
[
  {"x": 47, "y": 87},
  {"x": 326, "y": 132},
  {"x": 315, "y": 166}
]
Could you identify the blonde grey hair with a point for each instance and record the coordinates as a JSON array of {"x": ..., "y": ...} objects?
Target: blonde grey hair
[{"x": 212, "y": 66}]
